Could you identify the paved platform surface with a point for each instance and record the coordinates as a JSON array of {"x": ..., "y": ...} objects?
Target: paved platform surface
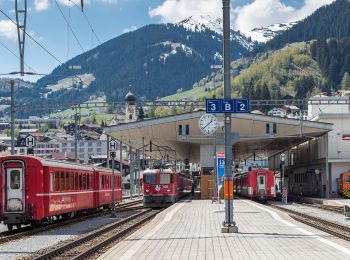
[{"x": 192, "y": 230}]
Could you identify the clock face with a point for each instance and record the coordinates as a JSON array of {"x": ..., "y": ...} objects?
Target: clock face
[{"x": 208, "y": 124}]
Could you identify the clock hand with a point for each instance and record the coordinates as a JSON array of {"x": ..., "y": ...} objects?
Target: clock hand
[{"x": 208, "y": 123}]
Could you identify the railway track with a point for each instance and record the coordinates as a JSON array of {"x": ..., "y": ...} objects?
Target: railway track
[
  {"x": 336, "y": 209},
  {"x": 91, "y": 243},
  {"x": 332, "y": 228},
  {"x": 9, "y": 236}
]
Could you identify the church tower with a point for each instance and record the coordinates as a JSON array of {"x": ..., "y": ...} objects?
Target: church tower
[{"x": 130, "y": 108}]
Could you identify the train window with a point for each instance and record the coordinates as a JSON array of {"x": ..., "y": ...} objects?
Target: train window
[
  {"x": 15, "y": 179},
  {"x": 67, "y": 180},
  {"x": 51, "y": 181},
  {"x": 84, "y": 181},
  {"x": 62, "y": 181},
  {"x": 90, "y": 182},
  {"x": 150, "y": 178},
  {"x": 164, "y": 179},
  {"x": 71, "y": 181},
  {"x": 57, "y": 181},
  {"x": 76, "y": 182},
  {"x": 80, "y": 181},
  {"x": 261, "y": 180},
  {"x": 347, "y": 179}
]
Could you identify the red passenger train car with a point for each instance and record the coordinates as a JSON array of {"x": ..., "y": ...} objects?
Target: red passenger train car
[
  {"x": 162, "y": 187},
  {"x": 38, "y": 190},
  {"x": 257, "y": 184}
]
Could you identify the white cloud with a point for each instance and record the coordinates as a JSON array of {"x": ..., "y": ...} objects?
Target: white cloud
[
  {"x": 244, "y": 18},
  {"x": 8, "y": 30},
  {"x": 266, "y": 12},
  {"x": 177, "y": 10},
  {"x": 129, "y": 29},
  {"x": 41, "y": 5}
]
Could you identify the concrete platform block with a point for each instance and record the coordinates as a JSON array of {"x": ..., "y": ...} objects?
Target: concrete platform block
[{"x": 229, "y": 229}]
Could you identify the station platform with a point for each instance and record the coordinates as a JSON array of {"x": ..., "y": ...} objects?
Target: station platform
[{"x": 191, "y": 229}]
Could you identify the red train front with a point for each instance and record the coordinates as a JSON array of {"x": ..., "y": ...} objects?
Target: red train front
[
  {"x": 256, "y": 184},
  {"x": 162, "y": 187},
  {"x": 37, "y": 190}
]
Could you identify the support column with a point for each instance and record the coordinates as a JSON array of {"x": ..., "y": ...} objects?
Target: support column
[
  {"x": 229, "y": 225},
  {"x": 13, "y": 117},
  {"x": 327, "y": 169},
  {"x": 131, "y": 156}
]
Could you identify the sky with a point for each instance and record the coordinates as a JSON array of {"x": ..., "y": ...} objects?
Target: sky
[{"x": 102, "y": 20}]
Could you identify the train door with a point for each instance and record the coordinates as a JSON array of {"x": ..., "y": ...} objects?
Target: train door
[
  {"x": 261, "y": 184},
  {"x": 14, "y": 192}
]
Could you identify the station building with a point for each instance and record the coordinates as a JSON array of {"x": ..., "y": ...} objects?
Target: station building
[
  {"x": 253, "y": 135},
  {"x": 307, "y": 162}
]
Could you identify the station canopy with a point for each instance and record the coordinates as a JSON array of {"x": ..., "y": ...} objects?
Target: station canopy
[{"x": 252, "y": 134}]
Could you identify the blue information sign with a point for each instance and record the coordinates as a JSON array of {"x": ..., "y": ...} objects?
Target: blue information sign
[
  {"x": 227, "y": 106},
  {"x": 242, "y": 105},
  {"x": 213, "y": 106},
  {"x": 221, "y": 169}
]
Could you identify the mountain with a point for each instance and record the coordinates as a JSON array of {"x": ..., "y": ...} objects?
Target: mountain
[
  {"x": 329, "y": 21},
  {"x": 291, "y": 70},
  {"x": 267, "y": 33},
  {"x": 153, "y": 61}
]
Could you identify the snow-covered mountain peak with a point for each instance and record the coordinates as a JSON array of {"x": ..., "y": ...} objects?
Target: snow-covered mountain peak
[
  {"x": 199, "y": 23},
  {"x": 264, "y": 34},
  {"x": 203, "y": 22}
]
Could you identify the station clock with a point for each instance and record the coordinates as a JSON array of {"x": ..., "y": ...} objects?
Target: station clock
[{"x": 208, "y": 124}]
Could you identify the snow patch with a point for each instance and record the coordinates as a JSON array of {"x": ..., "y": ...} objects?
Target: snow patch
[
  {"x": 68, "y": 83},
  {"x": 264, "y": 34},
  {"x": 175, "y": 48}
]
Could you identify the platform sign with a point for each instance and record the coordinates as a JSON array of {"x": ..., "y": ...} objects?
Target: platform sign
[
  {"x": 112, "y": 145},
  {"x": 242, "y": 106},
  {"x": 220, "y": 167},
  {"x": 213, "y": 106},
  {"x": 228, "y": 105},
  {"x": 30, "y": 141}
]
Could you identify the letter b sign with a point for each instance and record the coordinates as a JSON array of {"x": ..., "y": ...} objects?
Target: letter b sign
[{"x": 228, "y": 106}]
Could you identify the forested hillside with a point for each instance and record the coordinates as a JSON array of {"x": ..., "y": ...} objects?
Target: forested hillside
[{"x": 329, "y": 21}]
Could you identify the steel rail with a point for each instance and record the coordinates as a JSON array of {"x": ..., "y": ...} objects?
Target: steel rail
[
  {"x": 80, "y": 241},
  {"x": 332, "y": 228},
  {"x": 9, "y": 236}
]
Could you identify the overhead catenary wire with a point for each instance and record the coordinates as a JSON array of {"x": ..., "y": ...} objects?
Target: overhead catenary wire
[
  {"x": 70, "y": 28},
  {"x": 88, "y": 21},
  {"x": 33, "y": 39}
]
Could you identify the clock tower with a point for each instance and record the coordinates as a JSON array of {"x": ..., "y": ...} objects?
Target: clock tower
[{"x": 130, "y": 107}]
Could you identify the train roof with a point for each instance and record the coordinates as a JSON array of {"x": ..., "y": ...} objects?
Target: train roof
[{"x": 54, "y": 163}]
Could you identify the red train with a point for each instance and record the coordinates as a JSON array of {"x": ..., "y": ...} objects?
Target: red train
[
  {"x": 256, "y": 184},
  {"x": 37, "y": 190},
  {"x": 162, "y": 187}
]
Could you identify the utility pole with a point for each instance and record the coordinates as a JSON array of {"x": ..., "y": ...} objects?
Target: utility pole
[
  {"x": 113, "y": 215},
  {"x": 76, "y": 122},
  {"x": 229, "y": 226},
  {"x": 13, "y": 111},
  {"x": 21, "y": 32}
]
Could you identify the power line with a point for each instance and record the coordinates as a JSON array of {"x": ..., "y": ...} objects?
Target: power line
[
  {"x": 87, "y": 20},
  {"x": 70, "y": 28},
  {"x": 2, "y": 44},
  {"x": 33, "y": 39}
]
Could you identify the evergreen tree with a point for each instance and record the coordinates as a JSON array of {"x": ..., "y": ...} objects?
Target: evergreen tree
[
  {"x": 345, "y": 83},
  {"x": 265, "y": 93},
  {"x": 141, "y": 114}
]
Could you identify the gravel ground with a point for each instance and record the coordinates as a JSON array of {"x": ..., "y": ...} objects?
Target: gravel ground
[
  {"x": 25, "y": 246},
  {"x": 315, "y": 212}
]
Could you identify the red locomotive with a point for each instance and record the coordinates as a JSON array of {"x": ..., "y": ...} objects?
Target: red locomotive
[
  {"x": 257, "y": 184},
  {"x": 162, "y": 187},
  {"x": 37, "y": 190}
]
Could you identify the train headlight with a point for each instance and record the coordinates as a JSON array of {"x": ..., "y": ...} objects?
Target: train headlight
[
  {"x": 168, "y": 190},
  {"x": 147, "y": 190}
]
